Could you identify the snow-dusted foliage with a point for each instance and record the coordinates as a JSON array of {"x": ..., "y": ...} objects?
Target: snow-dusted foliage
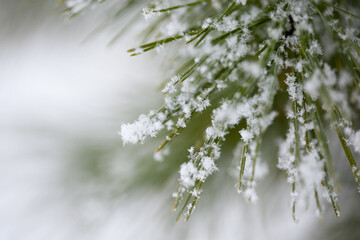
[{"x": 238, "y": 56}]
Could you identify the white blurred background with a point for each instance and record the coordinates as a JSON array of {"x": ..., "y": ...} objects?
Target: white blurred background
[{"x": 64, "y": 173}]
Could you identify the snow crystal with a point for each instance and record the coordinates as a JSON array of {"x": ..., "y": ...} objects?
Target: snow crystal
[
  {"x": 207, "y": 23},
  {"x": 226, "y": 25},
  {"x": 181, "y": 123},
  {"x": 187, "y": 172},
  {"x": 286, "y": 158},
  {"x": 195, "y": 192},
  {"x": 208, "y": 164},
  {"x": 170, "y": 86},
  {"x": 294, "y": 89},
  {"x": 246, "y": 135},
  {"x": 140, "y": 129},
  {"x": 169, "y": 124},
  {"x": 201, "y": 104},
  {"x": 214, "y": 132},
  {"x": 315, "y": 48}
]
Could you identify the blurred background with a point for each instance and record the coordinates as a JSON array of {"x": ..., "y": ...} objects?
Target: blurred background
[{"x": 64, "y": 173}]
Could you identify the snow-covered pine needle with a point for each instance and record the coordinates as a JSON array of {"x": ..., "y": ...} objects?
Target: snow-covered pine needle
[{"x": 245, "y": 54}]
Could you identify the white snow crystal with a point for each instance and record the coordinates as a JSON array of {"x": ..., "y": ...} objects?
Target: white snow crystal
[
  {"x": 170, "y": 86},
  {"x": 208, "y": 164},
  {"x": 246, "y": 135},
  {"x": 187, "y": 172},
  {"x": 294, "y": 89},
  {"x": 141, "y": 128},
  {"x": 315, "y": 48}
]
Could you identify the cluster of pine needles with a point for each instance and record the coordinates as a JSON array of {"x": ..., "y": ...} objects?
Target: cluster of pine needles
[{"x": 237, "y": 57}]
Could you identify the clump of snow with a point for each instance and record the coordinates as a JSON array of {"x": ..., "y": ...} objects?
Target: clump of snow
[
  {"x": 246, "y": 135},
  {"x": 208, "y": 164},
  {"x": 146, "y": 125},
  {"x": 187, "y": 174},
  {"x": 207, "y": 23},
  {"x": 294, "y": 89},
  {"x": 315, "y": 48},
  {"x": 170, "y": 86},
  {"x": 226, "y": 25}
]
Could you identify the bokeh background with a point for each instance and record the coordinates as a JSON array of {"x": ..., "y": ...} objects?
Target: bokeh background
[{"x": 64, "y": 173}]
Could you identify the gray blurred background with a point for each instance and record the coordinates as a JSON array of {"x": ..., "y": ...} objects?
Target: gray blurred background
[{"x": 64, "y": 173}]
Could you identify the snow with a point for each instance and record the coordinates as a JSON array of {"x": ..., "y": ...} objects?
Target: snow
[
  {"x": 246, "y": 135},
  {"x": 208, "y": 164},
  {"x": 315, "y": 48},
  {"x": 294, "y": 89},
  {"x": 226, "y": 25},
  {"x": 187, "y": 174},
  {"x": 170, "y": 86},
  {"x": 145, "y": 126}
]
